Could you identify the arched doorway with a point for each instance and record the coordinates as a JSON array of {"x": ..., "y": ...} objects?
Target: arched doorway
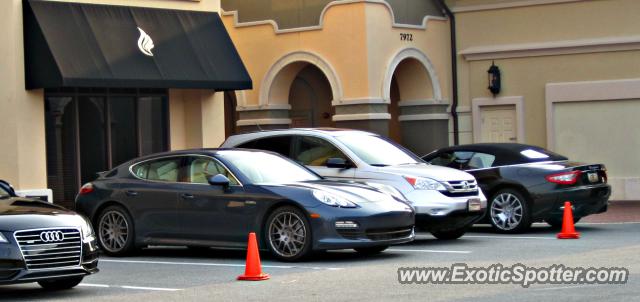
[
  {"x": 230, "y": 113},
  {"x": 410, "y": 82},
  {"x": 310, "y": 99}
]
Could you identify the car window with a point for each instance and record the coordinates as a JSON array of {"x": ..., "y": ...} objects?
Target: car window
[
  {"x": 167, "y": 169},
  {"x": 376, "y": 151},
  {"x": 464, "y": 160},
  {"x": 201, "y": 168},
  {"x": 4, "y": 193},
  {"x": 279, "y": 144},
  {"x": 313, "y": 151},
  {"x": 266, "y": 168}
]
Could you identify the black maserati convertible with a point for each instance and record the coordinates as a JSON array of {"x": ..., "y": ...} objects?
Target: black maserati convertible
[
  {"x": 526, "y": 184},
  {"x": 44, "y": 243},
  {"x": 215, "y": 197}
]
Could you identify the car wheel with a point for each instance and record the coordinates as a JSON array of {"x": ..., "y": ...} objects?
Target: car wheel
[
  {"x": 371, "y": 250},
  {"x": 115, "y": 231},
  {"x": 556, "y": 222},
  {"x": 450, "y": 234},
  {"x": 60, "y": 284},
  {"x": 288, "y": 234},
  {"x": 509, "y": 212}
]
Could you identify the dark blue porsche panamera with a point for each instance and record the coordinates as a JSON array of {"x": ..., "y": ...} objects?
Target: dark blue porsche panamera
[{"x": 215, "y": 197}]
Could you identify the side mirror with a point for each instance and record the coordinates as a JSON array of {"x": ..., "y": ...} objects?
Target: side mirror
[
  {"x": 219, "y": 180},
  {"x": 339, "y": 163}
]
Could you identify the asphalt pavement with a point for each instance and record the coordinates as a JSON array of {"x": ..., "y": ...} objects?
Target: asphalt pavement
[{"x": 172, "y": 274}]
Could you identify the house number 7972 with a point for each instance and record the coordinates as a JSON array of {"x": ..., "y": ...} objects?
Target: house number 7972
[{"x": 406, "y": 37}]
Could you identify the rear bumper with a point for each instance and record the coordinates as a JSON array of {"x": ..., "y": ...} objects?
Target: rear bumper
[{"x": 585, "y": 200}]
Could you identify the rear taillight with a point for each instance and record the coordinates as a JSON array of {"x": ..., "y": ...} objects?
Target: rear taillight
[
  {"x": 86, "y": 189},
  {"x": 564, "y": 178}
]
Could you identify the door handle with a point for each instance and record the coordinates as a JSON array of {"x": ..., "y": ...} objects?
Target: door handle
[
  {"x": 186, "y": 196},
  {"x": 131, "y": 193}
]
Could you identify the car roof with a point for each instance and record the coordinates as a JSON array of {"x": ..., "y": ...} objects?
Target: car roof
[{"x": 325, "y": 130}]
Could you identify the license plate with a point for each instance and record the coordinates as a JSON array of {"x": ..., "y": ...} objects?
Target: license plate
[
  {"x": 474, "y": 205},
  {"x": 593, "y": 177}
]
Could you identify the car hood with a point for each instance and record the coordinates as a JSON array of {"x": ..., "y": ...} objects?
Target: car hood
[
  {"x": 355, "y": 192},
  {"x": 18, "y": 213},
  {"x": 425, "y": 170}
]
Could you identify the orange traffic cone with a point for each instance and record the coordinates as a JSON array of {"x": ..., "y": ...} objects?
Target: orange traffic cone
[
  {"x": 568, "y": 230},
  {"x": 253, "y": 269}
]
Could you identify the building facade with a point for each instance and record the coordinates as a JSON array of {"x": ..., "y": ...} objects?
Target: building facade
[
  {"x": 570, "y": 73},
  {"x": 87, "y": 85}
]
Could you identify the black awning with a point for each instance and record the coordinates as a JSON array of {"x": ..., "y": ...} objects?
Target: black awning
[{"x": 88, "y": 45}]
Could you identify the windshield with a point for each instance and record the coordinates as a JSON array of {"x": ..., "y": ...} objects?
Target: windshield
[
  {"x": 263, "y": 168},
  {"x": 377, "y": 151}
]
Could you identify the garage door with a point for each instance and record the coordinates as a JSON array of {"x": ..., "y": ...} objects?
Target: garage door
[{"x": 603, "y": 132}]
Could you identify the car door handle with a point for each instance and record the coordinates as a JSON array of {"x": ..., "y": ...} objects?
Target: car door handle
[
  {"x": 131, "y": 193},
  {"x": 186, "y": 196}
]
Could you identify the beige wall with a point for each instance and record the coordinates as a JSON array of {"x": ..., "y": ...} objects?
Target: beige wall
[
  {"x": 553, "y": 42},
  {"x": 197, "y": 122},
  {"x": 357, "y": 40}
]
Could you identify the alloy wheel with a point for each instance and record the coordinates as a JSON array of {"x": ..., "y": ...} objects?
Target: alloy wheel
[
  {"x": 506, "y": 211},
  {"x": 287, "y": 234},
  {"x": 113, "y": 231}
]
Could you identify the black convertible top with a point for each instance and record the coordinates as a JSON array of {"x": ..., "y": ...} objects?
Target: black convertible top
[{"x": 505, "y": 153}]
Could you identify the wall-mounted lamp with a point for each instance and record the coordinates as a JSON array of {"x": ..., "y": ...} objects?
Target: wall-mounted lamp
[{"x": 494, "y": 79}]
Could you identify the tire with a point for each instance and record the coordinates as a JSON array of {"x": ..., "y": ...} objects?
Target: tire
[
  {"x": 115, "y": 230},
  {"x": 60, "y": 284},
  {"x": 288, "y": 234},
  {"x": 515, "y": 210},
  {"x": 450, "y": 234},
  {"x": 371, "y": 250},
  {"x": 556, "y": 222}
]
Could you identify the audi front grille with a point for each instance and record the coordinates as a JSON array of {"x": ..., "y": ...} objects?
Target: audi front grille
[{"x": 50, "y": 248}]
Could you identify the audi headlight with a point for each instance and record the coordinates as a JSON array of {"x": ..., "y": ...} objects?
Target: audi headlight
[
  {"x": 388, "y": 189},
  {"x": 423, "y": 183},
  {"x": 3, "y": 239},
  {"x": 332, "y": 199},
  {"x": 87, "y": 231}
]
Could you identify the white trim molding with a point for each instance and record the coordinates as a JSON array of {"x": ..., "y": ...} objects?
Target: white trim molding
[
  {"x": 514, "y": 4},
  {"x": 477, "y": 103},
  {"x": 583, "y": 92},
  {"x": 413, "y": 53},
  {"x": 522, "y": 50},
  {"x": 37, "y": 193},
  {"x": 264, "y": 121},
  {"x": 300, "y": 56},
  {"x": 361, "y": 117},
  {"x": 423, "y": 117},
  {"x": 264, "y": 107},
  {"x": 277, "y": 30},
  {"x": 359, "y": 101},
  {"x": 425, "y": 102}
]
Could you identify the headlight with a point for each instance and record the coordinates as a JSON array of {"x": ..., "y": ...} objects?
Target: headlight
[
  {"x": 421, "y": 183},
  {"x": 3, "y": 239},
  {"x": 87, "y": 231},
  {"x": 332, "y": 200},
  {"x": 388, "y": 189}
]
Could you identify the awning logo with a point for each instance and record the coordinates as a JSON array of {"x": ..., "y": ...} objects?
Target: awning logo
[{"x": 145, "y": 43}]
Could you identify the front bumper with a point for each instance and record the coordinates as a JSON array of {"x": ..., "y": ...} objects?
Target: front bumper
[
  {"x": 438, "y": 212},
  {"x": 13, "y": 269},
  {"x": 373, "y": 229},
  {"x": 585, "y": 200}
]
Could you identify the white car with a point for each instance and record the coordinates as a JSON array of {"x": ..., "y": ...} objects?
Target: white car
[{"x": 447, "y": 201}]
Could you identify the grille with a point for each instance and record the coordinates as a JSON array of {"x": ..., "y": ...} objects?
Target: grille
[
  {"x": 56, "y": 253},
  {"x": 461, "y": 187},
  {"x": 389, "y": 234}
]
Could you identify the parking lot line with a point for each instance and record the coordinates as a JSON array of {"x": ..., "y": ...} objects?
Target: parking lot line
[
  {"x": 429, "y": 251},
  {"x": 129, "y": 287},
  {"x": 217, "y": 264},
  {"x": 509, "y": 237}
]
